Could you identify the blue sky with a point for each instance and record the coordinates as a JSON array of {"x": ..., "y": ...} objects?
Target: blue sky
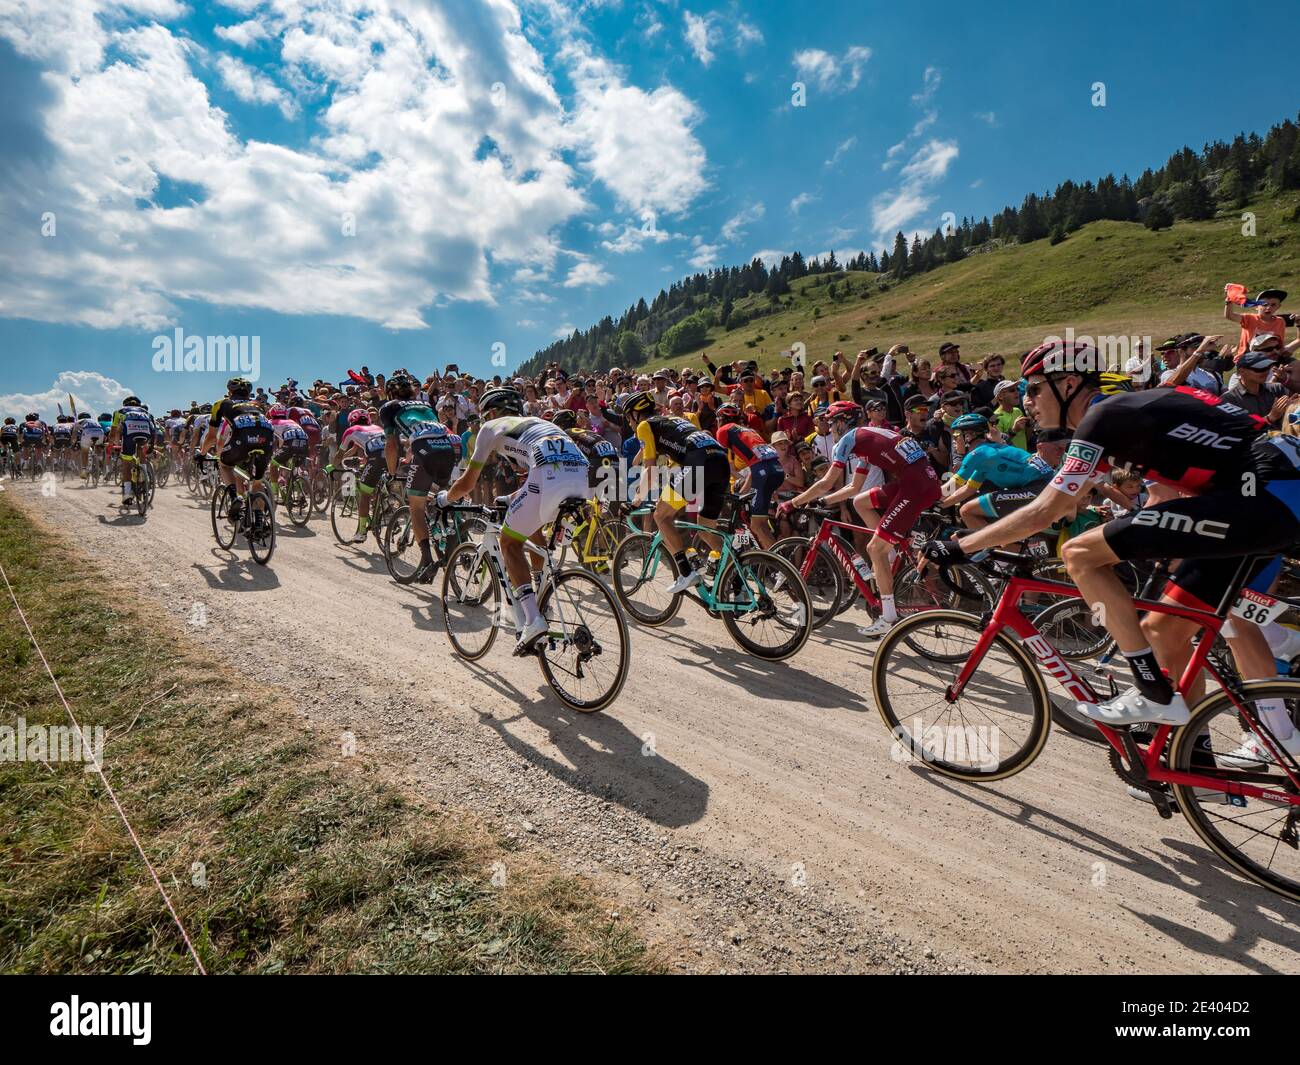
[{"x": 415, "y": 182}]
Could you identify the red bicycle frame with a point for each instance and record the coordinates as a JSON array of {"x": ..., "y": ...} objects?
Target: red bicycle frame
[
  {"x": 1007, "y": 615},
  {"x": 825, "y": 536}
]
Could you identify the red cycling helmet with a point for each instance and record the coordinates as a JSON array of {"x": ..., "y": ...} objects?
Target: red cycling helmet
[
  {"x": 727, "y": 413},
  {"x": 844, "y": 408},
  {"x": 1057, "y": 356},
  {"x": 359, "y": 417},
  {"x": 277, "y": 413}
]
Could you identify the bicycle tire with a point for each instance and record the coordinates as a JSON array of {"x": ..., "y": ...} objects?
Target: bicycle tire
[
  {"x": 399, "y": 539},
  {"x": 825, "y": 580},
  {"x": 934, "y": 673},
  {"x": 222, "y": 530},
  {"x": 545, "y": 651},
  {"x": 464, "y": 567},
  {"x": 798, "y": 621},
  {"x": 261, "y": 547},
  {"x": 634, "y": 570},
  {"x": 343, "y": 509}
]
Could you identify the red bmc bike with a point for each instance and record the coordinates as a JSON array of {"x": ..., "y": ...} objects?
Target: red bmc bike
[{"x": 968, "y": 698}]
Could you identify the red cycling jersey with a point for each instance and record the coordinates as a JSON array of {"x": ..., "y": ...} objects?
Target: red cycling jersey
[
  {"x": 890, "y": 451},
  {"x": 744, "y": 444}
]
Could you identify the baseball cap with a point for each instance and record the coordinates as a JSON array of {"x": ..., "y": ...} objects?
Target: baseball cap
[
  {"x": 819, "y": 381},
  {"x": 1262, "y": 341},
  {"x": 955, "y": 396},
  {"x": 1256, "y": 360},
  {"x": 1003, "y": 386},
  {"x": 948, "y": 346},
  {"x": 914, "y": 401},
  {"x": 1272, "y": 294}
]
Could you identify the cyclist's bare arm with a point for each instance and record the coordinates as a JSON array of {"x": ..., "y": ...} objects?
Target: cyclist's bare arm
[
  {"x": 1050, "y": 506},
  {"x": 853, "y": 488},
  {"x": 828, "y": 481}
]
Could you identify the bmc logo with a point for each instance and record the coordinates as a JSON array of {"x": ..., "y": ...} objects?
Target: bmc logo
[
  {"x": 1195, "y": 435},
  {"x": 1168, "y": 519}
]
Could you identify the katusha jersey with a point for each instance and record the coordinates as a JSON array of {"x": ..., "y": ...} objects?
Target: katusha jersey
[
  {"x": 530, "y": 442},
  {"x": 888, "y": 451}
]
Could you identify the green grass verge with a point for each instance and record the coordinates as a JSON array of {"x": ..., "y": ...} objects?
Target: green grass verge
[{"x": 306, "y": 861}]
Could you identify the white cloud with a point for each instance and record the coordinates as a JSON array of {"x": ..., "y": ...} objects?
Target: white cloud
[
  {"x": 931, "y": 80},
  {"x": 931, "y": 163},
  {"x": 829, "y": 73},
  {"x": 243, "y": 33},
  {"x": 987, "y": 116},
  {"x": 770, "y": 257},
  {"x": 92, "y": 391},
  {"x": 705, "y": 34},
  {"x": 564, "y": 331},
  {"x": 526, "y": 323},
  {"x": 706, "y": 255},
  {"x": 632, "y": 237},
  {"x": 800, "y": 200},
  {"x": 253, "y": 87},
  {"x": 841, "y": 149},
  {"x": 895, "y": 208},
  {"x": 697, "y": 36},
  {"x": 922, "y": 124},
  {"x": 734, "y": 227},
  {"x": 586, "y": 274}
]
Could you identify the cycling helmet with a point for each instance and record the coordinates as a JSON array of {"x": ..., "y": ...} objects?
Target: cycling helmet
[
  {"x": 10, "y": 421},
  {"x": 501, "y": 400},
  {"x": 639, "y": 403},
  {"x": 1114, "y": 383},
  {"x": 728, "y": 413},
  {"x": 359, "y": 417},
  {"x": 84, "y": 416},
  {"x": 33, "y": 417},
  {"x": 144, "y": 406},
  {"x": 176, "y": 412},
  {"x": 277, "y": 413},
  {"x": 105, "y": 417},
  {"x": 401, "y": 386},
  {"x": 239, "y": 388},
  {"x": 1057, "y": 356},
  {"x": 565, "y": 419},
  {"x": 844, "y": 408},
  {"x": 976, "y": 423}
]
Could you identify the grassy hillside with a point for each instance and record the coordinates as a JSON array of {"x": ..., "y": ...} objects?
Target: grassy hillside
[{"x": 1108, "y": 278}]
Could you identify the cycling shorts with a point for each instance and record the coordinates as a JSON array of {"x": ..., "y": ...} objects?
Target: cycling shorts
[
  {"x": 292, "y": 454},
  {"x": 376, "y": 467},
  {"x": 432, "y": 460},
  {"x": 1003, "y": 501},
  {"x": 131, "y": 442},
  {"x": 765, "y": 478},
  {"x": 899, "y": 503},
  {"x": 705, "y": 472},
  {"x": 538, "y": 499},
  {"x": 251, "y": 451}
]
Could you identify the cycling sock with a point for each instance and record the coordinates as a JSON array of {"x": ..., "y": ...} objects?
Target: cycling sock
[
  {"x": 1283, "y": 642},
  {"x": 362, "y": 526},
  {"x": 1150, "y": 681},
  {"x": 888, "y": 610},
  {"x": 1272, "y": 712},
  {"x": 527, "y": 601},
  {"x": 683, "y": 563}
]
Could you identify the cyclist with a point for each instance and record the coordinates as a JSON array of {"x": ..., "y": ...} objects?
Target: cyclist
[
  {"x": 756, "y": 460},
  {"x": 891, "y": 508},
  {"x": 1015, "y": 476},
  {"x": 173, "y": 426},
  {"x": 557, "y": 471},
  {"x": 132, "y": 430},
  {"x": 366, "y": 441},
  {"x": 601, "y": 455},
  {"x": 9, "y": 440},
  {"x": 434, "y": 449},
  {"x": 697, "y": 456},
  {"x": 90, "y": 434},
  {"x": 291, "y": 443},
  {"x": 33, "y": 434},
  {"x": 61, "y": 437},
  {"x": 249, "y": 443},
  {"x": 1240, "y": 496}
]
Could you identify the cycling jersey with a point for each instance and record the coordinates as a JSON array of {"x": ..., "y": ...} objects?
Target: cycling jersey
[
  {"x": 1002, "y": 466},
  {"x": 1182, "y": 437},
  {"x": 885, "y": 449},
  {"x": 33, "y": 432},
  {"x": 529, "y": 442},
  {"x": 242, "y": 415},
  {"x": 675, "y": 437},
  {"x": 598, "y": 452},
  {"x": 134, "y": 422},
  {"x": 745, "y": 446},
  {"x": 289, "y": 434},
  {"x": 410, "y": 419},
  {"x": 62, "y": 435},
  {"x": 370, "y": 438},
  {"x": 9, "y": 433},
  {"x": 173, "y": 428}
]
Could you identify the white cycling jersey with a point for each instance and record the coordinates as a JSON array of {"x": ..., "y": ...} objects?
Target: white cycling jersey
[{"x": 530, "y": 442}]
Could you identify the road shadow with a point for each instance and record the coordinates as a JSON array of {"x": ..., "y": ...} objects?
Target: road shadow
[
  {"x": 605, "y": 759},
  {"x": 237, "y": 574}
]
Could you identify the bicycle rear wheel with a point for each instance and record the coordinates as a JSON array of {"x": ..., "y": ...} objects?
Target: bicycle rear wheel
[
  {"x": 343, "y": 510},
  {"x": 998, "y": 724},
  {"x": 1259, "y": 838},
  {"x": 585, "y": 656},
  {"x": 401, "y": 552},
  {"x": 225, "y": 533},
  {"x": 297, "y": 499},
  {"x": 770, "y": 615},
  {"x": 261, "y": 527},
  {"x": 824, "y": 580},
  {"x": 642, "y": 577},
  {"x": 471, "y": 602}
]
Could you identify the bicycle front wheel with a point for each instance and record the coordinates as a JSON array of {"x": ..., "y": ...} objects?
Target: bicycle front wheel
[
  {"x": 586, "y": 654},
  {"x": 401, "y": 552},
  {"x": 642, "y": 574},
  {"x": 764, "y": 604},
  {"x": 822, "y": 577},
  {"x": 343, "y": 510},
  {"x": 261, "y": 527},
  {"x": 993, "y": 729},
  {"x": 222, "y": 498},
  {"x": 1260, "y": 838},
  {"x": 297, "y": 500},
  {"x": 471, "y": 602}
]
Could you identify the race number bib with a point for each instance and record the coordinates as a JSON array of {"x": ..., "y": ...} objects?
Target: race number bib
[
  {"x": 910, "y": 450},
  {"x": 1257, "y": 607}
]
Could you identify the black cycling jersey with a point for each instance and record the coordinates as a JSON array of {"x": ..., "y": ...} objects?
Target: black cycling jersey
[
  {"x": 1183, "y": 437},
  {"x": 677, "y": 437},
  {"x": 239, "y": 413}
]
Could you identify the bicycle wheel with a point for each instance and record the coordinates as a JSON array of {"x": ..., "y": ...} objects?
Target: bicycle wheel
[
  {"x": 143, "y": 488},
  {"x": 297, "y": 499},
  {"x": 641, "y": 580},
  {"x": 401, "y": 552},
  {"x": 222, "y": 529},
  {"x": 764, "y": 604},
  {"x": 995, "y": 728},
  {"x": 585, "y": 656},
  {"x": 320, "y": 492},
  {"x": 471, "y": 602},
  {"x": 1260, "y": 838},
  {"x": 823, "y": 579},
  {"x": 915, "y": 591},
  {"x": 343, "y": 510},
  {"x": 261, "y": 527}
]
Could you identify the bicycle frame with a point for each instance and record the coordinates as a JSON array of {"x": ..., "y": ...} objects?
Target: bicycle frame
[
  {"x": 1007, "y": 615},
  {"x": 705, "y": 595},
  {"x": 836, "y": 545}
]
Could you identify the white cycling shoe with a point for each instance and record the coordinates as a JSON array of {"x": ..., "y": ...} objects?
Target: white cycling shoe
[
  {"x": 1134, "y": 708},
  {"x": 685, "y": 582},
  {"x": 1252, "y": 754},
  {"x": 876, "y": 629},
  {"x": 530, "y": 633}
]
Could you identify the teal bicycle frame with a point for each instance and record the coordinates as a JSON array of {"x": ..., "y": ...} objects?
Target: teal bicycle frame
[{"x": 705, "y": 595}]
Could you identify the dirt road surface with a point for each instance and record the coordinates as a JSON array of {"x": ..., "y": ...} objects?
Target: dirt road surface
[{"x": 747, "y": 815}]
